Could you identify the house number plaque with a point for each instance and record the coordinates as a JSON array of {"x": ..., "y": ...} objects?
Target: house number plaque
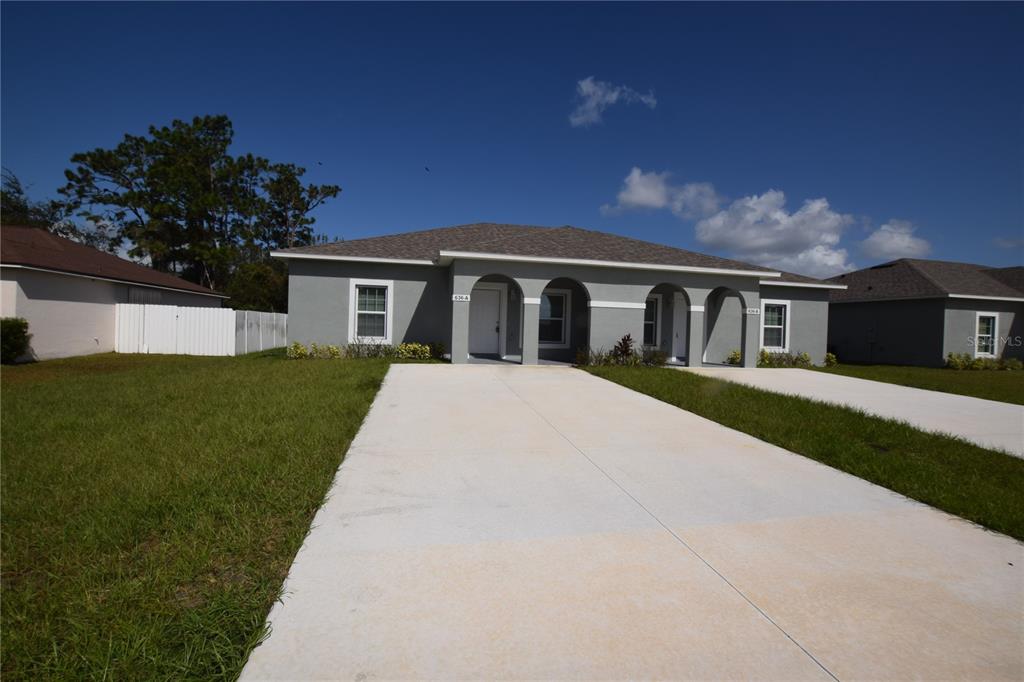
[
  {"x": 460, "y": 297},
  {"x": 753, "y": 311}
]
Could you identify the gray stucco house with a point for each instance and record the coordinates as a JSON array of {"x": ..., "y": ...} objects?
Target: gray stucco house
[
  {"x": 529, "y": 294},
  {"x": 916, "y": 312}
]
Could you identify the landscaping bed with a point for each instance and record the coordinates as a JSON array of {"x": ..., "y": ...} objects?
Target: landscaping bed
[
  {"x": 152, "y": 505},
  {"x": 977, "y": 484},
  {"x": 991, "y": 384}
]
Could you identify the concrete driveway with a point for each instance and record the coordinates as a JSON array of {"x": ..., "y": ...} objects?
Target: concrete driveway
[
  {"x": 988, "y": 423},
  {"x": 536, "y": 522}
]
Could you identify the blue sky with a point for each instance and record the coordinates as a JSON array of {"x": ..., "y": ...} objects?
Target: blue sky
[{"x": 814, "y": 137}]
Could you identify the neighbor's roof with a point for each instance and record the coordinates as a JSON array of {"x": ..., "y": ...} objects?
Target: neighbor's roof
[
  {"x": 34, "y": 247},
  {"x": 549, "y": 243},
  {"x": 909, "y": 278}
]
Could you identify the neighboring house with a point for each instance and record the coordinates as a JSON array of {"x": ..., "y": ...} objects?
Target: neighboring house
[
  {"x": 528, "y": 294},
  {"x": 916, "y": 312},
  {"x": 68, "y": 291}
]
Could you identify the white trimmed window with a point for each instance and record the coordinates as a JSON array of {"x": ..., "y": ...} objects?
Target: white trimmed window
[
  {"x": 986, "y": 333},
  {"x": 775, "y": 326},
  {"x": 555, "y": 305},
  {"x": 372, "y": 310},
  {"x": 652, "y": 320}
]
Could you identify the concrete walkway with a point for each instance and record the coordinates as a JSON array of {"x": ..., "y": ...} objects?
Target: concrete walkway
[
  {"x": 988, "y": 423},
  {"x": 498, "y": 522}
]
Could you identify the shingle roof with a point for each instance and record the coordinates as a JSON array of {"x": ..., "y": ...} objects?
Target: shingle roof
[
  {"x": 522, "y": 240},
  {"x": 37, "y": 248},
  {"x": 910, "y": 278}
]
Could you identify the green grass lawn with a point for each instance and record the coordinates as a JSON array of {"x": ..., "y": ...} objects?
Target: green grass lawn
[
  {"x": 980, "y": 485},
  {"x": 153, "y": 504},
  {"x": 1002, "y": 385}
]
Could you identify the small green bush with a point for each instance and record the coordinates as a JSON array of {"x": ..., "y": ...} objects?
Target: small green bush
[
  {"x": 735, "y": 358},
  {"x": 437, "y": 350},
  {"x": 14, "y": 338},
  {"x": 767, "y": 359},
  {"x": 831, "y": 360},
  {"x": 413, "y": 351},
  {"x": 652, "y": 357},
  {"x": 961, "y": 361},
  {"x": 623, "y": 350},
  {"x": 296, "y": 351},
  {"x": 333, "y": 352}
]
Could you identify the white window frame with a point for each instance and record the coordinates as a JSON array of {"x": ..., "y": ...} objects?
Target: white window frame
[
  {"x": 567, "y": 316},
  {"x": 787, "y": 325},
  {"x": 657, "y": 320},
  {"x": 389, "y": 310},
  {"x": 995, "y": 334}
]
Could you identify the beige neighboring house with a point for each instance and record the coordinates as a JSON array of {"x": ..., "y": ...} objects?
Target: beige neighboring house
[{"x": 68, "y": 291}]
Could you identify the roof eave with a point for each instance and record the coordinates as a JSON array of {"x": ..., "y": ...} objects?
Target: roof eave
[
  {"x": 446, "y": 257},
  {"x": 118, "y": 280},
  {"x": 355, "y": 259},
  {"x": 804, "y": 285}
]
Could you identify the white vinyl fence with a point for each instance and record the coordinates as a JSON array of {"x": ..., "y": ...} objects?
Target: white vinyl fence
[{"x": 179, "y": 330}]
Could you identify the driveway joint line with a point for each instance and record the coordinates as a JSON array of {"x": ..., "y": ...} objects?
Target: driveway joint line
[{"x": 671, "y": 532}]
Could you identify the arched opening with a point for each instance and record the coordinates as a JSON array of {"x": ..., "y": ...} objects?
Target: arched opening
[
  {"x": 564, "y": 327},
  {"x": 667, "y": 322},
  {"x": 496, "y": 320},
  {"x": 724, "y": 326}
]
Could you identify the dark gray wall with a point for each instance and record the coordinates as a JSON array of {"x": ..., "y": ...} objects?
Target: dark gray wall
[
  {"x": 888, "y": 332},
  {"x": 960, "y": 322},
  {"x": 318, "y": 300},
  {"x": 809, "y": 319}
]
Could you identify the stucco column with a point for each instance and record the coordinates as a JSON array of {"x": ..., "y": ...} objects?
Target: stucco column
[
  {"x": 531, "y": 329},
  {"x": 751, "y": 328},
  {"x": 695, "y": 348},
  {"x": 460, "y": 331}
]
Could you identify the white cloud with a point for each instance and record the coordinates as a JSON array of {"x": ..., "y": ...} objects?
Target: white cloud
[
  {"x": 1009, "y": 242},
  {"x": 895, "y": 239},
  {"x": 759, "y": 229},
  {"x": 594, "y": 96},
  {"x": 653, "y": 190}
]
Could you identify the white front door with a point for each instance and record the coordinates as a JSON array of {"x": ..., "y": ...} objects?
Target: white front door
[
  {"x": 484, "y": 321},
  {"x": 679, "y": 330}
]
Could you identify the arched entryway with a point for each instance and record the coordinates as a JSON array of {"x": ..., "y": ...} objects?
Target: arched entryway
[
  {"x": 667, "y": 322},
  {"x": 725, "y": 326},
  {"x": 564, "y": 326},
  {"x": 495, "y": 319}
]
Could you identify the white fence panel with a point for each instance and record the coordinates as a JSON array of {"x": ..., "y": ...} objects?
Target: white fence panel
[
  {"x": 144, "y": 328},
  {"x": 256, "y": 331}
]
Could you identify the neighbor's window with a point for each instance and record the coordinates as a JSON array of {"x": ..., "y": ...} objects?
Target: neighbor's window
[
  {"x": 985, "y": 339},
  {"x": 553, "y": 316},
  {"x": 651, "y": 321},
  {"x": 371, "y": 312},
  {"x": 775, "y": 325}
]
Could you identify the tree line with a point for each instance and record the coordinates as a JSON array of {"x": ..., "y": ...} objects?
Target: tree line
[{"x": 178, "y": 200}]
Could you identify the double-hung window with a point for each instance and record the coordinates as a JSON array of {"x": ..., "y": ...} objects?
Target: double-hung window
[
  {"x": 554, "y": 319},
  {"x": 652, "y": 314},
  {"x": 775, "y": 326},
  {"x": 371, "y": 306},
  {"x": 986, "y": 333}
]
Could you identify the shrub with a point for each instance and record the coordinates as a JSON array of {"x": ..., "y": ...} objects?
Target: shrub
[
  {"x": 653, "y": 357},
  {"x": 958, "y": 360},
  {"x": 14, "y": 338},
  {"x": 333, "y": 352},
  {"x": 413, "y": 351},
  {"x": 1012, "y": 364},
  {"x": 766, "y": 359},
  {"x": 315, "y": 351},
  {"x": 296, "y": 351},
  {"x": 369, "y": 350},
  {"x": 831, "y": 360},
  {"x": 735, "y": 358},
  {"x": 437, "y": 350},
  {"x": 623, "y": 350}
]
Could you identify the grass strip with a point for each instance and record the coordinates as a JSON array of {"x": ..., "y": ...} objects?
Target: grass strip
[
  {"x": 152, "y": 505},
  {"x": 980, "y": 485},
  {"x": 1002, "y": 385}
]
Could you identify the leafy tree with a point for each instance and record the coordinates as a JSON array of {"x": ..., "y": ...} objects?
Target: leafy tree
[
  {"x": 259, "y": 286},
  {"x": 17, "y": 209},
  {"x": 180, "y": 199}
]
